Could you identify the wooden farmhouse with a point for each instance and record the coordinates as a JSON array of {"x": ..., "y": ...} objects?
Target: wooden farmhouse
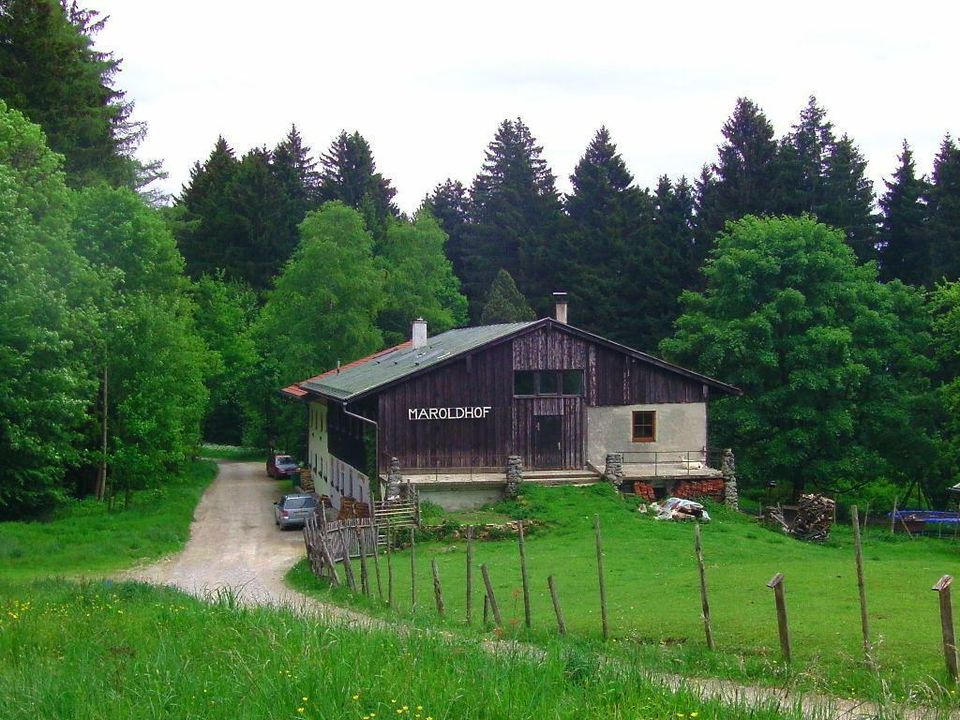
[{"x": 449, "y": 411}]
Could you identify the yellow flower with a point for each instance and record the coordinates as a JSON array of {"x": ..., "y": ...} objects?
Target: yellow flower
[
  {"x": 305, "y": 698},
  {"x": 301, "y": 710},
  {"x": 356, "y": 697}
]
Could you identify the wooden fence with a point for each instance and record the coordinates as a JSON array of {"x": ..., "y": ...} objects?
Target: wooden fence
[{"x": 330, "y": 542}]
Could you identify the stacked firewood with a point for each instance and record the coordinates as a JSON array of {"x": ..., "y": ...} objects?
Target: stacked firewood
[{"x": 814, "y": 518}]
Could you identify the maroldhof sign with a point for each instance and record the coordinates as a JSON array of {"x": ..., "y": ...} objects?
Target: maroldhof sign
[{"x": 449, "y": 413}]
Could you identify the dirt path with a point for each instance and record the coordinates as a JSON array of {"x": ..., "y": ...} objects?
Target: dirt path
[{"x": 234, "y": 545}]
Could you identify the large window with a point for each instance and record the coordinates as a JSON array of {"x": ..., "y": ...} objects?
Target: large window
[
  {"x": 533, "y": 383},
  {"x": 644, "y": 426}
]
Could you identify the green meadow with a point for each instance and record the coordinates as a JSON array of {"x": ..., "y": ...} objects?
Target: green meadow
[{"x": 653, "y": 592}]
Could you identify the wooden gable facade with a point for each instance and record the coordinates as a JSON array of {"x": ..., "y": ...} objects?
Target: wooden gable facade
[{"x": 525, "y": 394}]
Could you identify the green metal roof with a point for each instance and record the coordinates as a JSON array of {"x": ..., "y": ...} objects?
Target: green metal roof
[{"x": 397, "y": 362}]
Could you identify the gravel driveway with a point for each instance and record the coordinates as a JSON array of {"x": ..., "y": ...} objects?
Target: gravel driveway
[{"x": 235, "y": 545}]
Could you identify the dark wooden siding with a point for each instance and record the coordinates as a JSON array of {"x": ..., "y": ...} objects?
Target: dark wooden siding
[
  {"x": 616, "y": 378},
  {"x": 486, "y": 378}
]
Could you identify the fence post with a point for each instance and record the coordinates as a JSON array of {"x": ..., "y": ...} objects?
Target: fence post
[
  {"x": 782, "y": 628},
  {"x": 334, "y": 577},
  {"x": 469, "y": 574},
  {"x": 437, "y": 588},
  {"x": 375, "y": 532},
  {"x": 486, "y": 609},
  {"x": 603, "y": 587},
  {"x": 347, "y": 565},
  {"x": 362, "y": 549},
  {"x": 524, "y": 577},
  {"x": 704, "y": 602},
  {"x": 946, "y": 624},
  {"x": 413, "y": 572},
  {"x": 561, "y": 625},
  {"x": 893, "y": 517},
  {"x": 389, "y": 565},
  {"x": 861, "y": 587},
  {"x": 493, "y": 599}
]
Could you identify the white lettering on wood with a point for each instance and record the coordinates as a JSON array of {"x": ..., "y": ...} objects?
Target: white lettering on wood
[{"x": 477, "y": 412}]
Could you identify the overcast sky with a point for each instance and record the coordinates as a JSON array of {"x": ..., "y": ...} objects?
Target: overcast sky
[{"x": 427, "y": 83}]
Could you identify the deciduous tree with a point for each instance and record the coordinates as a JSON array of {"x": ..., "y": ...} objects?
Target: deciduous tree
[{"x": 831, "y": 362}]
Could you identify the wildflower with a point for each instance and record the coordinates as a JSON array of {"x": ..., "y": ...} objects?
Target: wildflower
[
  {"x": 305, "y": 698},
  {"x": 356, "y": 697},
  {"x": 301, "y": 710}
]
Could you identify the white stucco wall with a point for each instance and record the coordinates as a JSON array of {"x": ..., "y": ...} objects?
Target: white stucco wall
[
  {"x": 318, "y": 453},
  {"x": 679, "y": 427}
]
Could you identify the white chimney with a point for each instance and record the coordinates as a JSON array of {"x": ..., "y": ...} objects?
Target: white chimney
[
  {"x": 419, "y": 335},
  {"x": 560, "y": 314}
]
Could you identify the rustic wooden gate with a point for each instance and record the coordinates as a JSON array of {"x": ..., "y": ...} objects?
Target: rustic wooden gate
[{"x": 330, "y": 542}]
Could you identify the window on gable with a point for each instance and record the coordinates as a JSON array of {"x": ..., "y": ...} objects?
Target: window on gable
[
  {"x": 547, "y": 382},
  {"x": 644, "y": 426}
]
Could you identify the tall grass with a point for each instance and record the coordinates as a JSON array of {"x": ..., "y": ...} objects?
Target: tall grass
[
  {"x": 653, "y": 593},
  {"x": 132, "y": 651},
  {"x": 86, "y": 538}
]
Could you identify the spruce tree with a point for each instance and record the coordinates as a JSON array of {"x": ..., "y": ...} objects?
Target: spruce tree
[
  {"x": 708, "y": 216},
  {"x": 804, "y": 158},
  {"x": 295, "y": 171},
  {"x": 943, "y": 209},
  {"x": 449, "y": 203},
  {"x": 50, "y": 71},
  {"x": 505, "y": 303},
  {"x": 515, "y": 213},
  {"x": 848, "y": 198},
  {"x": 904, "y": 240},
  {"x": 609, "y": 219},
  {"x": 746, "y": 165},
  {"x": 256, "y": 201},
  {"x": 663, "y": 267},
  {"x": 349, "y": 174},
  {"x": 205, "y": 223}
]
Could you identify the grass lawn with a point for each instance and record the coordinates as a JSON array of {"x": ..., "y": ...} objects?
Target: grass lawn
[
  {"x": 654, "y": 602},
  {"x": 232, "y": 452},
  {"x": 133, "y": 651},
  {"x": 84, "y": 538}
]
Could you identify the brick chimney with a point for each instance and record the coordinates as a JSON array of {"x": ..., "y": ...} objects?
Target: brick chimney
[
  {"x": 419, "y": 333},
  {"x": 560, "y": 313}
]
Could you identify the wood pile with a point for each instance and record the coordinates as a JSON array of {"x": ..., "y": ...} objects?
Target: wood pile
[{"x": 813, "y": 520}]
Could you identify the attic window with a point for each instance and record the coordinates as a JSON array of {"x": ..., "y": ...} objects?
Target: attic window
[
  {"x": 644, "y": 426},
  {"x": 532, "y": 383}
]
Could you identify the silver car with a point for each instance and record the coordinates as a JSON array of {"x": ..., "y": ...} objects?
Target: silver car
[{"x": 293, "y": 510}]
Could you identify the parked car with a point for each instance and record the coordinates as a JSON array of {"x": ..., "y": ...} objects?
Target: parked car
[
  {"x": 282, "y": 467},
  {"x": 293, "y": 510}
]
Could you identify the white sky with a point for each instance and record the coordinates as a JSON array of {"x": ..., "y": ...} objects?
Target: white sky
[{"x": 427, "y": 83}]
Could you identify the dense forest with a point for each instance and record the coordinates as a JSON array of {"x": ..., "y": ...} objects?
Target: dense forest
[{"x": 134, "y": 326}]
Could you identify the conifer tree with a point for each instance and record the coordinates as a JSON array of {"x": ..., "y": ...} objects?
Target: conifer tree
[
  {"x": 258, "y": 205},
  {"x": 904, "y": 239},
  {"x": 746, "y": 165},
  {"x": 295, "y": 171},
  {"x": 664, "y": 266},
  {"x": 609, "y": 220},
  {"x": 515, "y": 213},
  {"x": 804, "y": 158},
  {"x": 943, "y": 209},
  {"x": 708, "y": 215},
  {"x": 449, "y": 203},
  {"x": 50, "y": 71},
  {"x": 205, "y": 224},
  {"x": 848, "y": 198},
  {"x": 505, "y": 303},
  {"x": 349, "y": 174}
]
